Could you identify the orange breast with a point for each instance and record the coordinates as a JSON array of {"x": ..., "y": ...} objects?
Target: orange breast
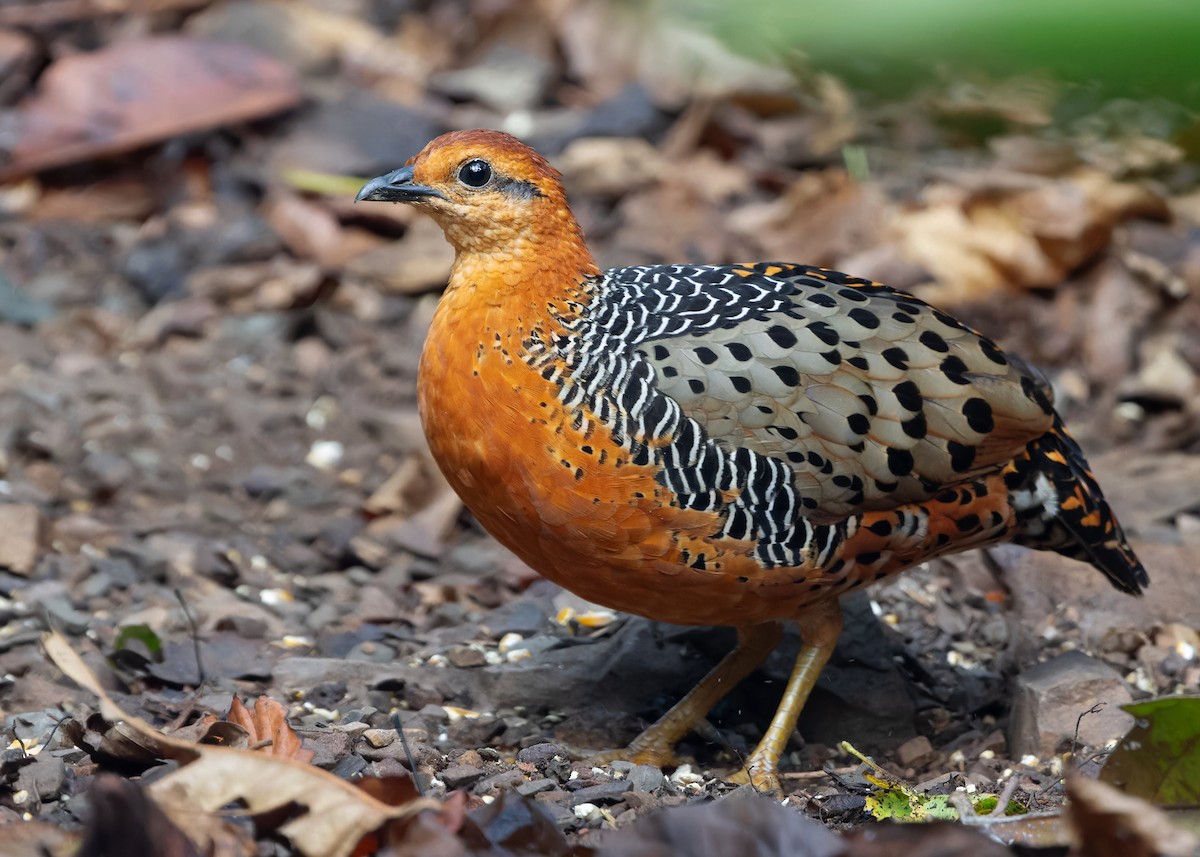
[{"x": 565, "y": 498}]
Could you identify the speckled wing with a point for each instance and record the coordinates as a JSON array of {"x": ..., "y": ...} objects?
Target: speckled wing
[{"x": 871, "y": 396}]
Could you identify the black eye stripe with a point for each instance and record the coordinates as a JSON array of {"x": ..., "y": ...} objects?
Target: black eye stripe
[{"x": 475, "y": 173}]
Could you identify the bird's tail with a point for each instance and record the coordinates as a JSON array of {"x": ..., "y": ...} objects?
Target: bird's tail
[{"x": 1060, "y": 508}]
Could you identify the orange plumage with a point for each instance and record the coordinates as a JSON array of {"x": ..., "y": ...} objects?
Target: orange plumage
[{"x": 734, "y": 445}]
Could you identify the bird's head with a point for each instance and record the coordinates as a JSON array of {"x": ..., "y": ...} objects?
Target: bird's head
[{"x": 492, "y": 195}]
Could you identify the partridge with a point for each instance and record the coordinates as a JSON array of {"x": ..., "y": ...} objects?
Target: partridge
[{"x": 721, "y": 444}]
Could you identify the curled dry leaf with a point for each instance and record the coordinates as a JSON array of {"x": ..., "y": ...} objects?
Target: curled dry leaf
[
  {"x": 991, "y": 231},
  {"x": 337, "y": 815},
  {"x": 268, "y": 723}
]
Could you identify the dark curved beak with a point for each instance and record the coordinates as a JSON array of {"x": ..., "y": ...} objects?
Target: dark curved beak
[{"x": 396, "y": 186}]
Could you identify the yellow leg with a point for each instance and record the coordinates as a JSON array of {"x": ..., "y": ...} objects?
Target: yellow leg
[
  {"x": 819, "y": 629},
  {"x": 656, "y": 745}
]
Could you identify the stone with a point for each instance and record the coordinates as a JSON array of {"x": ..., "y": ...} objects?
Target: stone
[
  {"x": 534, "y": 786},
  {"x": 602, "y": 793},
  {"x": 461, "y": 776},
  {"x": 644, "y": 778},
  {"x": 503, "y": 780},
  {"x": 914, "y": 751},
  {"x": 44, "y": 777},
  {"x": 21, "y": 531},
  {"x": 1050, "y": 698},
  {"x": 329, "y": 747},
  {"x": 466, "y": 656},
  {"x": 379, "y": 737}
]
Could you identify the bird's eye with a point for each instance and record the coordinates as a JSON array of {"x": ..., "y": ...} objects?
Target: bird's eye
[{"x": 475, "y": 173}]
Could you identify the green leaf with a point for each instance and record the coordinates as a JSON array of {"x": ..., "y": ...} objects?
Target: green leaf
[
  {"x": 938, "y": 808},
  {"x": 1159, "y": 760},
  {"x": 143, "y": 635},
  {"x": 889, "y": 804}
]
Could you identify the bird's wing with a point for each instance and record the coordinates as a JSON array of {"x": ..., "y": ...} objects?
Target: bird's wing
[{"x": 870, "y": 396}]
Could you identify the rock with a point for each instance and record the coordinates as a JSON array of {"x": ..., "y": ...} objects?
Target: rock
[
  {"x": 19, "y": 307},
  {"x": 329, "y": 747},
  {"x": 379, "y": 737},
  {"x": 466, "y": 656},
  {"x": 510, "y": 779},
  {"x": 1050, "y": 698},
  {"x": 475, "y": 731},
  {"x": 549, "y": 760},
  {"x": 534, "y": 786},
  {"x": 44, "y": 777},
  {"x": 601, "y": 793},
  {"x": 914, "y": 751},
  {"x": 460, "y": 776},
  {"x": 644, "y": 778},
  {"x": 524, "y": 616},
  {"x": 21, "y": 531}
]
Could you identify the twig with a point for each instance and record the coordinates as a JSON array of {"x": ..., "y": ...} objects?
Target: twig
[
  {"x": 1010, "y": 788},
  {"x": 202, "y": 673},
  {"x": 1095, "y": 709},
  {"x": 412, "y": 762}
]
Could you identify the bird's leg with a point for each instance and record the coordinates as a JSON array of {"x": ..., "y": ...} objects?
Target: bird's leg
[
  {"x": 819, "y": 629},
  {"x": 656, "y": 745}
]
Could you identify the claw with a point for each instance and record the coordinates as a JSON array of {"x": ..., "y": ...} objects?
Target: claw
[{"x": 762, "y": 777}]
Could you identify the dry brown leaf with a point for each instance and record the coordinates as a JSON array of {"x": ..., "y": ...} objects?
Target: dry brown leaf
[
  {"x": 823, "y": 217},
  {"x": 1106, "y": 822},
  {"x": 37, "y": 839},
  {"x": 991, "y": 231},
  {"x": 125, "y": 820},
  {"x": 268, "y": 723},
  {"x": 338, "y": 814},
  {"x": 135, "y": 93}
]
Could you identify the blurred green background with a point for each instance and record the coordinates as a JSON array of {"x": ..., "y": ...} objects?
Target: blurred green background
[{"x": 1148, "y": 48}]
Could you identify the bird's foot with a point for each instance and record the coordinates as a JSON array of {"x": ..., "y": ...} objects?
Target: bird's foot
[{"x": 761, "y": 775}]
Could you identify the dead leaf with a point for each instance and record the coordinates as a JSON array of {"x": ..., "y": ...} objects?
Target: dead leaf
[
  {"x": 337, "y": 814},
  {"x": 990, "y": 231},
  {"x": 124, "y": 820},
  {"x": 1108, "y": 823},
  {"x": 135, "y": 93},
  {"x": 418, "y": 262},
  {"x": 824, "y": 216},
  {"x": 37, "y": 839},
  {"x": 268, "y": 723}
]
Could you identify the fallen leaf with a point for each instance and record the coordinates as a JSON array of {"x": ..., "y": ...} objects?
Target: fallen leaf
[
  {"x": 134, "y": 93},
  {"x": 1108, "y": 823},
  {"x": 1159, "y": 760},
  {"x": 989, "y": 231},
  {"x": 124, "y": 820},
  {"x": 268, "y": 723},
  {"x": 337, "y": 814}
]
